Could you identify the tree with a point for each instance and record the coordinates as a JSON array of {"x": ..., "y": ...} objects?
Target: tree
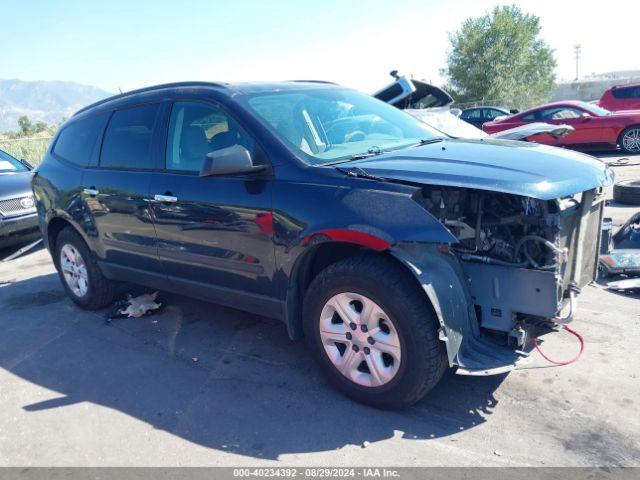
[
  {"x": 500, "y": 56},
  {"x": 28, "y": 128}
]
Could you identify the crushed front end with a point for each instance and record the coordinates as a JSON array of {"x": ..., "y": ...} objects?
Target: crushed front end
[{"x": 520, "y": 262}]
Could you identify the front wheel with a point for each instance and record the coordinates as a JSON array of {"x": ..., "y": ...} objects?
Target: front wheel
[
  {"x": 372, "y": 329},
  {"x": 630, "y": 139}
]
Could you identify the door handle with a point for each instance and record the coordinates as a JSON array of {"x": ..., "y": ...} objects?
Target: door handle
[
  {"x": 165, "y": 198},
  {"x": 91, "y": 191}
]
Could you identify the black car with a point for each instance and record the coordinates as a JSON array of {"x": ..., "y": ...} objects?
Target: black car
[
  {"x": 478, "y": 115},
  {"x": 396, "y": 251},
  {"x": 18, "y": 218}
]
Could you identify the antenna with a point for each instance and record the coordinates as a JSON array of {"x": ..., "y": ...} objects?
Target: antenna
[{"x": 119, "y": 89}]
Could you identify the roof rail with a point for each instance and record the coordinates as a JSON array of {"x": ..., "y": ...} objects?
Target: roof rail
[
  {"x": 150, "y": 89},
  {"x": 313, "y": 81}
]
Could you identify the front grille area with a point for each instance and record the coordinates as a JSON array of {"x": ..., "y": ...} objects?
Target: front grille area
[{"x": 12, "y": 207}]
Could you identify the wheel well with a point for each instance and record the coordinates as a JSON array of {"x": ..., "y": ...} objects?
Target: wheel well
[
  {"x": 55, "y": 226},
  {"x": 310, "y": 265},
  {"x": 624, "y": 130}
]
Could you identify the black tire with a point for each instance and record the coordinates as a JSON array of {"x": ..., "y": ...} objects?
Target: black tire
[
  {"x": 627, "y": 192},
  {"x": 101, "y": 291},
  {"x": 385, "y": 282},
  {"x": 621, "y": 139}
]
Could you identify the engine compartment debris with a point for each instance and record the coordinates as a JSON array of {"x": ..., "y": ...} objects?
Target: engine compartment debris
[
  {"x": 497, "y": 228},
  {"x": 135, "y": 307}
]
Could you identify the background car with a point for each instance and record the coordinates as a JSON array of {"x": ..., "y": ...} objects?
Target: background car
[
  {"x": 18, "y": 219},
  {"x": 621, "y": 97},
  {"x": 477, "y": 116},
  {"x": 594, "y": 126}
]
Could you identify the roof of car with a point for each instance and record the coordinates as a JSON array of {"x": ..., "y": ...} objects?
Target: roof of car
[
  {"x": 486, "y": 106},
  {"x": 223, "y": 87},
  {"x": 570, "y": 103},
  {"x": 625, "y": 85}
]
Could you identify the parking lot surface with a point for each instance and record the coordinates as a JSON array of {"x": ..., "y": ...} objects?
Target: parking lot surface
[{"x": 198, "y": 384}]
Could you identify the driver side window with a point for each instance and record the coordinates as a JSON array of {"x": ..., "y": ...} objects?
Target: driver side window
[{"x": 196, "y": 129}]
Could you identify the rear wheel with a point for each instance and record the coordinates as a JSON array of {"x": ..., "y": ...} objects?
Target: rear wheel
[
  {"x": 630, "y": 139},
  {"x": 374, "y": 332},
  {"x": 79, "y": 272}
]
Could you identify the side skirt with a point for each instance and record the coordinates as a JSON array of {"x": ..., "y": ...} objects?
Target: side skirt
[{"x": 247, "y": 302}]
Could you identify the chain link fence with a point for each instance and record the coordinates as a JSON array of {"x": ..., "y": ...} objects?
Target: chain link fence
[{"x": 31, "y": 149}]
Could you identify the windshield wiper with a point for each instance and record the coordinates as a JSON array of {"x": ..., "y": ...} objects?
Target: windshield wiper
[
  {"x": 427, "y": 141},
  {"x": 359, "y": 173},
  {"x": 371, "y": 152}
]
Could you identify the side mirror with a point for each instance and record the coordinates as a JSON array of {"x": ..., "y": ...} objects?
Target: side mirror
[
  {"x": 234, "y": 160},
  {"x": 585, "y": 116},
  {"x": 513, "y": 111}
]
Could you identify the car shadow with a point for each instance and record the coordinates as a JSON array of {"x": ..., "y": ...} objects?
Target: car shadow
[{"x": 214, "y": 376}]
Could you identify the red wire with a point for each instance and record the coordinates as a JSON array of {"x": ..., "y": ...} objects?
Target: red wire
[{"x": 535, "y": 343}]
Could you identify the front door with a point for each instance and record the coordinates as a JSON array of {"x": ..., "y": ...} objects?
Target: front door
[
  {"x": 586, "y": 128},
  {"x": 214, "y": 233}
]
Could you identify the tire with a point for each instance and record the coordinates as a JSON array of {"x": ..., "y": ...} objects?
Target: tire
[
  {"x": 629, "y": 139},
  {"x": 100, "y": 291},
  {"x": 422, "y": 356},
  {"x": 627, "y": 192}
]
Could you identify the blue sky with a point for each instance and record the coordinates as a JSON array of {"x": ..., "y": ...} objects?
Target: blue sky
[{"x": 128, "y": 44}]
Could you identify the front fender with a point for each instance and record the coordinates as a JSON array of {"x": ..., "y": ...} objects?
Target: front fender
[{"x": 443, "y": 281}]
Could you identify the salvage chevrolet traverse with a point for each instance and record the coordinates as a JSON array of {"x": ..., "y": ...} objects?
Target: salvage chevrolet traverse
[{"x": 397, "y": 252}]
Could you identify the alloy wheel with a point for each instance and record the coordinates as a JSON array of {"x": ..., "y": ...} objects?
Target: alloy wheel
[
  {"x": 360, "y": 339},
  {"x": 631, "y": 140},
  {"x": 74, "y": 270}
]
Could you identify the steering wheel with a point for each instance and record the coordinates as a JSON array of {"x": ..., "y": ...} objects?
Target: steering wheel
[{"x": 355, "y": 136}]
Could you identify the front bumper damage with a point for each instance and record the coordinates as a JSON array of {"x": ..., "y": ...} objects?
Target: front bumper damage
[{"x": 473, "y": 300}]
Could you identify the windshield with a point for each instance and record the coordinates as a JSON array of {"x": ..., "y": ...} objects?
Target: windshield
[
  {"x": 332, "y": 125},
  {"x": 594, "y": 108},
  {"x": 10, "y": 164}
]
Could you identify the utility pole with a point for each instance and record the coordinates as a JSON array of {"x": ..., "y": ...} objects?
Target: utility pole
[{"x": 577, "y": 49}]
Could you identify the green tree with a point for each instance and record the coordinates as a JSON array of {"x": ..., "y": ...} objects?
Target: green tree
[
  {"x": 500, "y": 56},
  {"x": 28, "y": 128}
]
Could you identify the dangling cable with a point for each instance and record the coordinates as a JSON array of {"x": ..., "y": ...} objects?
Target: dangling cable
[{"x": 535, "y": 343}]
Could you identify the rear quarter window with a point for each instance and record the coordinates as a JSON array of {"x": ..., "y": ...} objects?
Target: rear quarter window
[{"x": 77, "y": 141}]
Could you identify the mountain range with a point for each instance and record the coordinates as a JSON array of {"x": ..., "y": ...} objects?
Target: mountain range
[{"x": 47, "y": 101}]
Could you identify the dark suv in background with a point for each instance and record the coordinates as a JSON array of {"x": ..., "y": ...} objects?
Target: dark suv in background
[
  {"x": 396, "y": 251},
  {"x": 18, "y": 219}
]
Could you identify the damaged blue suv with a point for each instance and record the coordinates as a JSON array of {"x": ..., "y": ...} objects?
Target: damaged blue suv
[{"x": 396, "y": 251}]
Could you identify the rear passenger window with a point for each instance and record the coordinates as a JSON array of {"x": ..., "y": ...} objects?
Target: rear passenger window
[
  {"x": 128, "y": 140},
  {"x": 77, "y": 141},
  {"x": 627, "y": 92}
]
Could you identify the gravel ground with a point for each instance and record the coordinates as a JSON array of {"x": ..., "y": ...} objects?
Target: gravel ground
[{"x": 204, "y": 385}]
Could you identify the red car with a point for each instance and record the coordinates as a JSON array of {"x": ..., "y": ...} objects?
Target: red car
[
  {"x": 594, "y": 127},
  {"x": 621, "y": 97}
]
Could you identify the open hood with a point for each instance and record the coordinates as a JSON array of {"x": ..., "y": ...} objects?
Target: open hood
[
  {"x": 406, "y": 93},
  {"x": 527, "y": 169}
]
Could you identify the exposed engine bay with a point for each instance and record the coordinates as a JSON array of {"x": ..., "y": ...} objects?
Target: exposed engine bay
[
  {"x": 525, "y": 259},
  {"x": 497, "y": 228}
]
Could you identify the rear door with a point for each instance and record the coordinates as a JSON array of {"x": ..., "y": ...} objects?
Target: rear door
[
  {"x": 116, "y": 190},
  {"x": 214, "y": 233}
]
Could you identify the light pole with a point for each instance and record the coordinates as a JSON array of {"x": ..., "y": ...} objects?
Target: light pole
[{"x": 577, "y": 49}]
